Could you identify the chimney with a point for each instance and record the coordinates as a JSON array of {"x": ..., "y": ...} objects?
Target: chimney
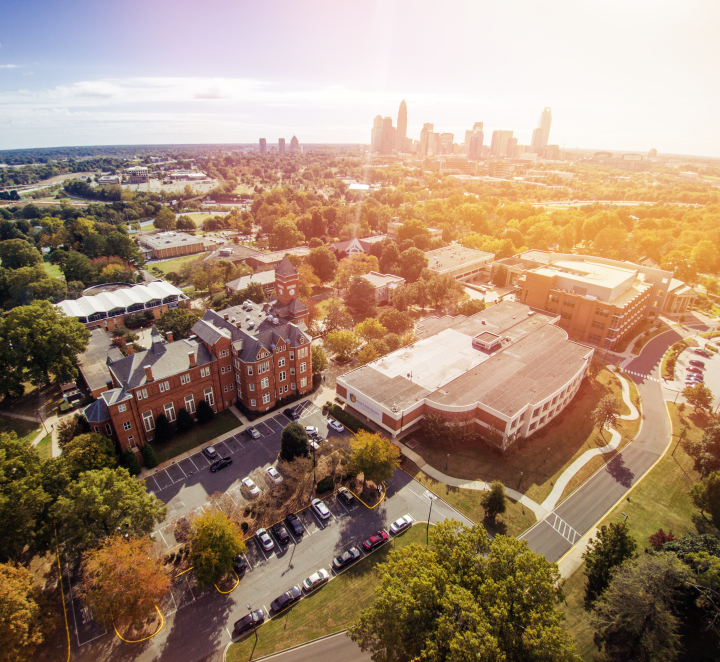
[
  {"x": 191, "y": 358},
  {"x": 148, "y": 373},
  {"x": 226, "y": 316},
  {"x": 169, "y": 336}
]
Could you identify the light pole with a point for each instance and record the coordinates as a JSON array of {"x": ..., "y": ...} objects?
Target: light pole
[
  {"x": 447, "y": 459},
  {"x": 254, "y": 625},
  {"x": 546, "y": 455},
  {"x": 427, "y": 529}
]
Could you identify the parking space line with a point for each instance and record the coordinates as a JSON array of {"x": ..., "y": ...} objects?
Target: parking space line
[
  {"x": 247, "y": 561},
  {"x": 181, "y": 469},
  {"x": 190, "y": 457},
  {"x": 343, "y": 505},
  {"x": 261, "y": 550},
  {"x": 157, "y": 487},
  {"x": 163, "y": 537},
  {"x": 187, "y": 581}
]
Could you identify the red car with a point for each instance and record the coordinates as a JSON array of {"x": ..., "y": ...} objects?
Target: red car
[{"x": 375, "y": 540}]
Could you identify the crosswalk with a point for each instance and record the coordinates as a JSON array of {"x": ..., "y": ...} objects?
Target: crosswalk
[
  {"x": 639, "y": 374},
  {"x": 563, "y": 528}
]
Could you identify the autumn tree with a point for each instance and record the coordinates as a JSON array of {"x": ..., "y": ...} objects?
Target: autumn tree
[
  {"x": 361, "y": 296},
  {"x": 123, "y": 578},
  {"x": 606, "y": 413},
  {"x": 341, "y": 342},
  {"x": 88, "y": 452},
  {"x": 69, "y": 427},
  {"x": 367, "y": 354},
  {"x": 374, "y": 456},
  {"x": 370, "y": 329},
  {"x": 494, "y": 501},
  {"x": 471, "y": 307},
  {"x": 323, "y": 262},
  {"x": 610, "y": 548},
  {"x": 215, "y": 542},
  {"x": 699, "y": 396},
  {"x": 337, "y": 316},
  {"x": 396, "y": 321}
]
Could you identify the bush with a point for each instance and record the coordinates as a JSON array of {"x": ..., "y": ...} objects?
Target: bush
[
  {"x": 135, "y": 320},
  {"x": 347, "y": 419},
  {"x": 205, "y": 412},
  {"x": 244, "y": 527},
  {"x": 149, "y": 456},
  {"x": 185, "y": 421},
  {"x": 164, "y": 431},
  {"x": 131, "y": 462},
  {"x": 65, "y": 406},
  {"x": 325, "y": 485}
]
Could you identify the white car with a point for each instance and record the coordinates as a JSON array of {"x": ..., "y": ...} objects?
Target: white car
[
  {"x": 334, "y": 425},
  {"x": 321, "y": 510},
  {"x": 314, "y": 444},
  {"x": 401, "y": 524},
  {"x": 274, "y": 474},
  {"x": 311, "y": 430},
  {"x": 250, "y": 484},
  {"x": 317, "y": 578},
  {"x": 264, "y": 539}
]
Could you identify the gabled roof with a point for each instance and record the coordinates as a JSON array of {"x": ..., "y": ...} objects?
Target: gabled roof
[
  {"x": 285, "y": 268},
  {"x": 97, "y": 412},
  {"x": 297, "y": 306},
  {"x": 262, "y": 277}
]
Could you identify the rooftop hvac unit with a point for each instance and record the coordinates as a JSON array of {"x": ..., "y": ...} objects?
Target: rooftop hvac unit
[{"x": 275, "y": 320}]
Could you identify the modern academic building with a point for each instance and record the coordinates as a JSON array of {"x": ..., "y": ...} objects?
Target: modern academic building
[
  {"x": 507, "y": 371},
  {"x": 258, "y": 354}
]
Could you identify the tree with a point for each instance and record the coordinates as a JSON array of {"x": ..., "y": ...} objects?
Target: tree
[
  {"x": 319, "y": 360},
  {"x": 89, "y": 451},
  {"x": 370, "y": 329},
  {"x": 149, "y": 456},
  {"x": 164, "y": 431},
  {"x": 706, "y": 452},
  {"x": 185, "y": 223},
  {"x": 185, "y": 422},
  {"x": 215, "y": 542},
  {"x": 368, "y": 354},
  {"x": 354, "y": 265},
  {"x": 699, "y": 396},
  {"x": 24, "y": 620},
  {"x": 374, "y": 456},
  {"x": 499, "y": 275},
  {"x": 77, "y": 267},
  {"x": 636, "y": 618},
  {"x": 131, "y": 462},
  {"x": 323, "y": 262},
  {"x": 412, "y": 262},
  {"x": 706, "y": 496},
  {"x": 102, "y": 501},
  {"x": 205, "y": 413},
  {"x": 178, "y": 321},
  {"x": 396, "y": 322},
  {"x": 606, "y": 413},
  {"x": 390, "y": 259},
  {"x": 360, "y": 296},
  {"x": 341, "y": 342},
  {"x": 434, "y": 425},
  {"x": 69, "y": 427},
  {"x": 659, "y": 538},
  {"x": 337, "y": 316},
  {"x": 293, "y": 442},
  {"x": 16, "y": 253},
  {"x": 123, "y": 578},
  {"x": 471, "y": 307},
  {"x": 494, "y": 501},
  {"x": 307, "y": 280},
  {"x": 164, "y": 219},
  {"x": 465, "y": 597},
  {"x": 285, "y": 235},
  {"x": 612, "y": 545},
  {"x": 44, "y": 341}
]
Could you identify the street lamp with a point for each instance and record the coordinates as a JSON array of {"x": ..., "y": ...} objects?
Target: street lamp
[
  {"x": 447, "y": 459},
  {"x": 427, "y": 530}
]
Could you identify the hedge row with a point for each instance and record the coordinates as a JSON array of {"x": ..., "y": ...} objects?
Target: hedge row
[{"x": 348, "y": 420}]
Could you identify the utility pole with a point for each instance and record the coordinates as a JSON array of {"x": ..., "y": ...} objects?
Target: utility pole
[{"x": 427, "y": 530}]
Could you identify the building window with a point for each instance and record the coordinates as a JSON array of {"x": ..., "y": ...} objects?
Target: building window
[
  {"x": 597, "y": 325},
  {"x": 140, "y": 395},
  {"x": 184, "y": 379},
  {"x": 131, "y": 438},
  {"x": 170, "y": 411},
  {"x": 568, "y": 303},
  {"x": 566, "y": 316},
  {"x": 164, "y": 386},
  {"x": 97, "y": 429},
  {"x": 555, "y": 399},
  {"x": 542, "y": 420},
  {"x": 253, "y": 403},
  {"x": 222, "y": 370},
  {"x": 292, "y": 371},
  {"x": 209, "y": 398},
  {"x": 148, "y": 421},
  {"x": 602, "y": 313},
  {"x": 204, "y": 372},
  {"x": 265, "y": 382},
  {"x": 532, "y": 426},
  {"x": 251, "y": 387},
  {"x": 250, "y": 370},
  {"x": 225, "y": 389},
  {"x": 108, "y": 430},
  {"x": 292, "y": 386},
  {"x": 303, "y": 367},
  {"x": 282, "y": 375},
  {"x": 281, "y": 362},
  {"x": 127, "y": 426},
  {"x": 554, "y": 299},
  {"x": 190, "y": 404},
  {"x": 536, "y": 412},
  {"x": 292, "y": 356},
  {"x": 513, "y": 424},
  {"x": 615, "y": 322},
  {"x": 545, "y": 406},
  {"x": 303, "y": 382},
  {"x": 122, "y": 408},
  {"x": 266, "y": 398},
  {"x": 594, "y": 338}
]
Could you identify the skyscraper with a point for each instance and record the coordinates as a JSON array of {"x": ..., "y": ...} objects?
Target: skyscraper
[
  {"x": 498, "y": 146},
  {"x": 401, "y": 131},
  {"x": 294, "y": 144},
  {"x": 263, "y": 146},
  {"x": 475, "y": 146},
  {"x": 281, "y": 145},
  {"x": 424, "y": 138},
  {"x": 388, "y": 136},
  {"x": 376, "y": 134},
  {"x": 542, "y": 133},
  {"x": 446, "y": 143}
]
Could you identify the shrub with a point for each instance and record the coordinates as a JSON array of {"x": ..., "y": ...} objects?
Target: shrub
[
  {"x": 131, "y": 462},
  {"x": 347, "y": 419},
  {"x": 164, "y": 431},
  {"x": 185, "y": 421},
  {"x": 325, "y": 485},
  {"x": 244, "y": 527},
  {"x": 149, "y": 456},
  {"x": 659, "y": 538},
  {"x": 205, "y": 412},
  {"x": 65, "y": 407}
]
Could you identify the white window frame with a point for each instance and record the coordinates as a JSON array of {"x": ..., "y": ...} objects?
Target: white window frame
[
  {"x": 108, "y": 430},
  {"x": 127, "y": 426},
  {"x": 281, "y": 362},
  {"x": 122, "y": 408},
  {"x": 169, "y": 410},
  {"x": 283, "y": 375},
  {"x": 209, "y": 396},
  {"x": 266, "y": 398},
  {"x": 293, "y": 386},
  {"x": 253, "y": 403},
  {"x": 185, "y": 379},
  {"x": 303, "y": 366},
  {"x": 251, "y": 387},
  {"x": 292, "y": 355},
  {"x": 265, "y": 383},
  {"x": 148, "y": 421},
  {"x": 164, "y": 386},
  {"x": 190, "y": 403},
  {"x": 303, "y": 382},
  {"x": 250, "y": 372}
]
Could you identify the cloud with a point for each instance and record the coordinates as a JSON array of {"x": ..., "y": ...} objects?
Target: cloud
[{"x": 9, "y": 66}]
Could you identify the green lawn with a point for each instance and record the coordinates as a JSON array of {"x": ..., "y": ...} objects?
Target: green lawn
[
  {"x": 333, "y": 607},
  {"x": 660, "y": 500},
  {"x": 45, "y": 447},
  {"x": 23, "y": 429},
  {"x": 52, "y": 270},
  {"x": 222, "y": 423},
  {"x": 176, "y": 263}
]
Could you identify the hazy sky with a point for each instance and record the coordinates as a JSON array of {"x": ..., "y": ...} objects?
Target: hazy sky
[{"x": 629, "y": 74}]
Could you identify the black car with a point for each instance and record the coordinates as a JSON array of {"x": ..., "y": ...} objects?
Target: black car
[
  {"x": 286, "y": 599},
  {"x": 353, "y": 554},
  {"x": 280, "y": 533},
  {"x": 249, "y": 622},
  {"x": 240, "y": 564},
  {"x": 220, "y": 464},
  {"x": 291, "y": 414},
  {"x": 295, "y": 524},
  {"x": 703, "y": 352},
  {"x": 696, "y": 363},
  {"x": 346, "y": 496}
]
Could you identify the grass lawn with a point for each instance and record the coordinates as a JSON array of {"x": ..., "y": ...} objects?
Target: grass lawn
[
  {"x": 23, "y": 429},
  {"x": 660, "y": 500},
  {"x": 567, "y": 437},
  {"x": 27, "y": 405},
  {"x": 45, "y": 447},
  {"x": 222, "y": 423},
  {"x": 52, "y": 270},
  {"x": 516, "y": 519},
  {"x": 333, "y": 607},
  {"x": 176, "y": 263}
]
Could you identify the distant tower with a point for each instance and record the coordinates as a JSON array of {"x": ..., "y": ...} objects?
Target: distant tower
[
  {"x": 294, "y": 144},
  {"x": 401, "y": 131},
  {"x": 286, "y": 281},
  {"x": 652, "y": 153},
  {"x": 542, "y": 133},
  {"x": 281, "y": 145},
  {"x": 425, "y": 134},
  {"x": 499, "y": 144},
  {"x": 376, "y": 134},
  {"x": 388, "y": 136},
  {"x": 263, "y": 146},
  {"x": 475, "y": 146}
]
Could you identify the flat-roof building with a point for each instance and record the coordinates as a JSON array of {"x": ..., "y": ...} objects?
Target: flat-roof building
[
  {"x": 384, "y": 285},
  {"x": 264, "y": 278},
  {"x": 138, "y": 174},
  {"x": 459, "y": 262},
  {"x": 170, "y": 244},
  {"x": 507, "y": 371}
]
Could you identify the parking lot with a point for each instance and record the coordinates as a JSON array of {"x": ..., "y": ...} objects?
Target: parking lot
[{"x": 710, "y": 371}]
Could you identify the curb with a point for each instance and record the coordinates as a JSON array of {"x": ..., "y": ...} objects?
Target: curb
[{"x": 292, "y": 648}]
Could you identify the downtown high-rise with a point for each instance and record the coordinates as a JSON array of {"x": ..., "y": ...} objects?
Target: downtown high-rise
[
  {"x": 401, "y": 130},
  {"x": 542, "y": 133}
]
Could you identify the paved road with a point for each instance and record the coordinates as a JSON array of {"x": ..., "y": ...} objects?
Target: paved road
[
  {"x": 337, "y": 647},
  {"x": 575, "y": 516}
]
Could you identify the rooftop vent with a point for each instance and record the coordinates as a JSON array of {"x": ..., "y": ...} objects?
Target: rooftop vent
[{"x": 275, "y": 320}]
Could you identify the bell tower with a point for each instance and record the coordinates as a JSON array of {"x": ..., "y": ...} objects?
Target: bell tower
[{"x": 287, "y": 280}]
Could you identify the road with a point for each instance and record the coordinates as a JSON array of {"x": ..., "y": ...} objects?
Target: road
[{"x": 337, "y": 647}]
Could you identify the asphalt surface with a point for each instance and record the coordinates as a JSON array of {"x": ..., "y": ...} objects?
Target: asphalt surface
[{"x": 337, "y": 647}]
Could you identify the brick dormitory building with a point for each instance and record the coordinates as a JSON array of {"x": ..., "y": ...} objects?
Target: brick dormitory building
[{"x": 255, "y": 353}]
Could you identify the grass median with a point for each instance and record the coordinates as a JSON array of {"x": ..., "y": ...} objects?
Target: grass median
[{"x": 332, "y": 608}]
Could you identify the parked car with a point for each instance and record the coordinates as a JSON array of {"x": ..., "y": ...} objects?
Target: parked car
[
  {"x": 210, "y": 453},
  {"x": 280, "y": 533},
  {"x": 311, "y": 430},
  {"x": 286, "y": 599},
  {"x": 696, "y": 363},
  {"x": 692, "y": 368},
  {"x": 252, "y": 433},
  {"x": 249, "y": 483},
  {"x": 353, "y": 554},
  {"x": 702, "y": 352},
  {"x": 291, "y": 414},
  {"x": 316, "y": 579},
  {"x": 240, "y": 564},
  {"x": 401, "y": 524},
  {"x": 274, "y": 474},
  {"x": 375, "y": 540},
  {"x": 321, "y": 510},
  {"x": 249, "y": 622},
  {"x": 333, "y": 424},
  {"x": 346, "y": 496},
  {"x": 293, "y": 521},
  {"x": 313, "y": 444},
  {"x": 220, "y": 464},
  {"x": 264, "y": 539}
]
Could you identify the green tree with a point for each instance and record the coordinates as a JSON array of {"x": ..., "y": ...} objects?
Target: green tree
[
  {"x": 370, "y": 329},
  {"x": 374, "y": 456},
  {"x": 149, "y": 456},
  {"x": 165, "y": 219},
  {"x": 412, "y": 262},
  {"x": 323, "y": 262},
  {"x": 205, "y": 413},
  {"x": 131, "y": 462},
  {"x": 434, "y": 425},
  {"x": 102, "y": 501},
  {"x": 24, "y": 620},
  {"x": 465, "y": 597},
  {"x": 706, "y": 452},
  {"x": 337, "y": 316},
  {"x": 293, "y": 442},
  {"x": 178, "y": 321},
  {"x": 87, "y": 452},
  {"x": 185, "y": 422},
  {"x": 285, "y": 235},
  {"x": 471, "y": 307},
  {"x": 706, "y": 496},
  {"x": 185, "y": 223},
  {"x": 215, "y": 542},
  {"x": 77, "y": 267},
  {"x": 368, "y": 354},
  {"x": 396, "y": 322},
  {"x": 319, "y": 360},
  {"x": 636, "y": 618},
  {"x": 360, "y": 296},
  {"x": 16, "y": 253},
  {"x": 341, "y": 342},
  {"x": 699, "y": 396},
  {"x": 44, "y": 341},
  {"x": 499, "y": 275},
  {"x": 494, "y": 501},
  {"x": 610, "y": 548},
  {"x": 606, "y": 413}
]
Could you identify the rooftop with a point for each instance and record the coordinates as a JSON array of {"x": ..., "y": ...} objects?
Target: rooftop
[
  {"x": 455, "y": 255},
  {"x": 380, "y": 280},
  {"x": 93, "y": 362},
  {"x": 262, "y": 277},
  {"x": 169, "y": 240}
]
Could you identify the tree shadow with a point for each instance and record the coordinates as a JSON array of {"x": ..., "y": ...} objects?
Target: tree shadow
[
  {"x": 622, "y": 474},
  {"x": 703, "y": 525}
]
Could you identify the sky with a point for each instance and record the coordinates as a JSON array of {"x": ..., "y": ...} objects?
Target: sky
[{"x": 619, "y": 75}]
